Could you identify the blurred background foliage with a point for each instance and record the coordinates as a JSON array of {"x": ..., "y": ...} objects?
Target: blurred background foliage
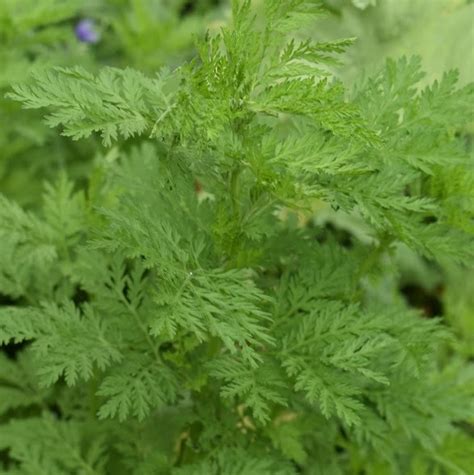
[
  {"x": 440, "y": 31},
  {"x": 150, "y": 34}
]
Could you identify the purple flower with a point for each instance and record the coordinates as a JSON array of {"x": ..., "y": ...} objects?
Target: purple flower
[{"x": 86, "y": 31}]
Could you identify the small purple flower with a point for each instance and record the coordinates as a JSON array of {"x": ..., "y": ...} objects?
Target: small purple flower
[{"x": 86, "y": 31}]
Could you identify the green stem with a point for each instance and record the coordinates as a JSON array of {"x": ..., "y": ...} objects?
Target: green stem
[
  {"x": 235, "y": 191},
  {"x": 142, "y": 327},
  {"x": 235, "y": 218},
  {"x": 370, "y": 262}
]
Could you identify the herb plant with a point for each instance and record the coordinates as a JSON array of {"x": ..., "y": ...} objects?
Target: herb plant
[{"x": 220, "y": 298}]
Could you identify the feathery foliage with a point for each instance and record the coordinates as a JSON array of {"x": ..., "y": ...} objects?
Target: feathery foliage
[{"x": 175, "y": 315}]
